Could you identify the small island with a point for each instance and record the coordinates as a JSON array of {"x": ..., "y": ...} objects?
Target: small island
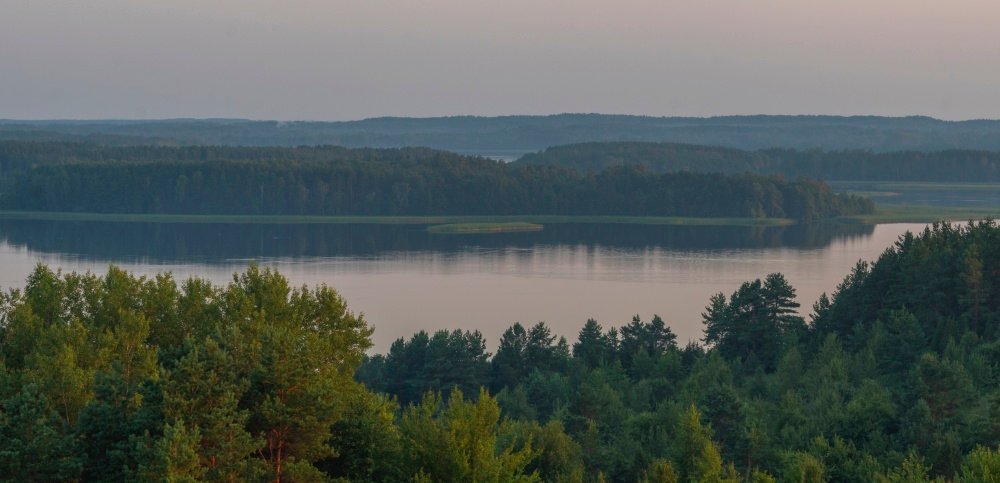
[{"x": 478, "y": 228}]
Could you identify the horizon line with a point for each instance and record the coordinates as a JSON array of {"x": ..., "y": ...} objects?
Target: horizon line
[{"x": 478, "y": 116}]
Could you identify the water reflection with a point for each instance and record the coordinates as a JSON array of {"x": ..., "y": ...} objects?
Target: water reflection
[
  {"x": 405, "y": 279},
  {"x": 220, "y": 243}
]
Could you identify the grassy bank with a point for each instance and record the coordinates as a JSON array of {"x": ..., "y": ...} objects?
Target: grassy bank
[
  {"x": 920, "y": 214},
  {"x": 398, "y": 220},
  {"x": 884, "y": 213},
  {"x": 470, "y": 228},
  {"x": 912, "y": 186},
  {"x": 885, "y": 192}
]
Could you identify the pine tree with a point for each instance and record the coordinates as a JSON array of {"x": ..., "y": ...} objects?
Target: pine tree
[
  {"x": 695, "y": 456},
  {"x": 174, "y": 456},
  {"x": 975, "y": 290},
  {"x": 982, "y": 465},
  {"x": 458, "y": 441},
  {"x": 367, "y": 442},
  {"x": 659, "y": 471},
  {"x": 202, "y": 393},
  {"x": 509, "y": 363},
  {"x": 35, "y": 445},
  {"x": 591, "y": 345},
  {"x": 911, "y": 470},
  {"x": 299, "y": 349}
]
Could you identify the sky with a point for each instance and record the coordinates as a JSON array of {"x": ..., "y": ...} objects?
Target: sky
[{"x": 353, "y": 59}]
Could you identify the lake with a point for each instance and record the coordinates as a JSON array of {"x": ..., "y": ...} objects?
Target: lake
[
  {"x": 404, "y": 279},
  {"x": 955, "y": 195}
]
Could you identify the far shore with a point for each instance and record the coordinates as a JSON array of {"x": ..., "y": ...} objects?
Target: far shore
[{"x": 485, "y": 224}]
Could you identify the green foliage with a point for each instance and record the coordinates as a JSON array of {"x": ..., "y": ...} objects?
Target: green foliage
[
  {"x": 439, "y": 361},
  {"x": 457, "y": 441},
  {"x": 695, "y": 455},
  {"x": 203, "y": 391},
  {"x": 118, "y": 427},
  {"x": 126, "y": 378},
  {"x": 522, "y": 352},
  {"x": 911, "y": 470},
  {"x": 123, "y": 378},
  {"x": 366, "y": 442},
  {"x": 761, "y": 477},
  {"x": 33, "y": 443},
  {"x": 887, "y": 368},
  {"x": 558, "y": 457},
  {"x": 755, "y": 323},
  {"x": 174, "y": 456},
  {"x": 659, "y": 471},
  {"x": 301, "y": 347},
  {"x": 928, "y": 277},
  {"x": 591, "y": 346},
  {"x": 802, "y": 468},
  {"x": 982, "y": 465}
]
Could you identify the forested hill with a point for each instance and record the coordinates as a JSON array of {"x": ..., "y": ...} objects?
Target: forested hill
[
  {"x": 123, "y": 378},
  {"x": 410, "y": 181},
  {"x": 514, "y": 135},
  {"x": 854, "y": 165}
]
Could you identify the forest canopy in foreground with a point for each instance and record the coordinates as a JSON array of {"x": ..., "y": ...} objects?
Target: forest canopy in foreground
[
  {"x": 894, "y": 379},
  {"x": 851, "y": 165},
  {"x": 411, "y": 181}
]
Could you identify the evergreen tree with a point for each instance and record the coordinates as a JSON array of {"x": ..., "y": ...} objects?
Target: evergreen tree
[
  {"x": 802, "y": 468},
  {"x": 591, "y": 345},
  {"x": 307, "y": 345},
  {"x": 174, "y": 456},
  {"x": 366, "y": 442},
  {"x": 982, "y": 465},
  {"x": 911, "y": 470},
  {"x": 201, "y": 394},
  {"x": 457, "y": 441},
  {"x": 34, "y": 442},
  {"x": 509, "y": 363},
  {"x": 659, "y": 471},
  {"x": 752, "y": 326},
  {"x": 696, "y": 458}
]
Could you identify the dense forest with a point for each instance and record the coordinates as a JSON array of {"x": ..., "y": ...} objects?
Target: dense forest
[
  {"x": 514, "y": 135},
  {"x": 894, "y": 378},
  {"x": 410, "y": 181},
  {"x": 852, "y": 165}
]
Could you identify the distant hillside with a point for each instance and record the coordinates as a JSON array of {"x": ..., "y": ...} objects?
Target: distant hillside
[
  {"x": 510, "y": 136},
  {"x": 23, "y": 133},
  {"x": 854, "y": 165}
]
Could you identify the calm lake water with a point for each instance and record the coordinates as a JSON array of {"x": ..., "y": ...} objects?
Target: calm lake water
[
  {"x": 404, "y": 279},
  {"x": 958, "y": 195}
]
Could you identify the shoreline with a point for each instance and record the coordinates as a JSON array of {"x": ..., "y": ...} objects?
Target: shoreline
[
  {"x": 389, "y": 220},
  {"x": 488, "y": 224}
]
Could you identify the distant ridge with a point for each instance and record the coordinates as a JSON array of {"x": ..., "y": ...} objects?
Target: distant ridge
[
  {"x": 511, "y": 136},
  {"x": 953, "y": 165}
]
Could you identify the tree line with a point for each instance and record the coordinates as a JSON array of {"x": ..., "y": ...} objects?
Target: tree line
[
  {"x": 410, "y": 181},
  {"x": 894, "y": 378},
  {"x": 125, "y": 378},
  {"x": 843, "y": 165}
]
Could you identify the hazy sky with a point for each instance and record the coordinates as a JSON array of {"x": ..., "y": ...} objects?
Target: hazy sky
[{"x": 349, "y": 59}]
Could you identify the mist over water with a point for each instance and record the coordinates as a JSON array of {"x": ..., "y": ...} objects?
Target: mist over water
[{"x": 404, "y": 279}]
